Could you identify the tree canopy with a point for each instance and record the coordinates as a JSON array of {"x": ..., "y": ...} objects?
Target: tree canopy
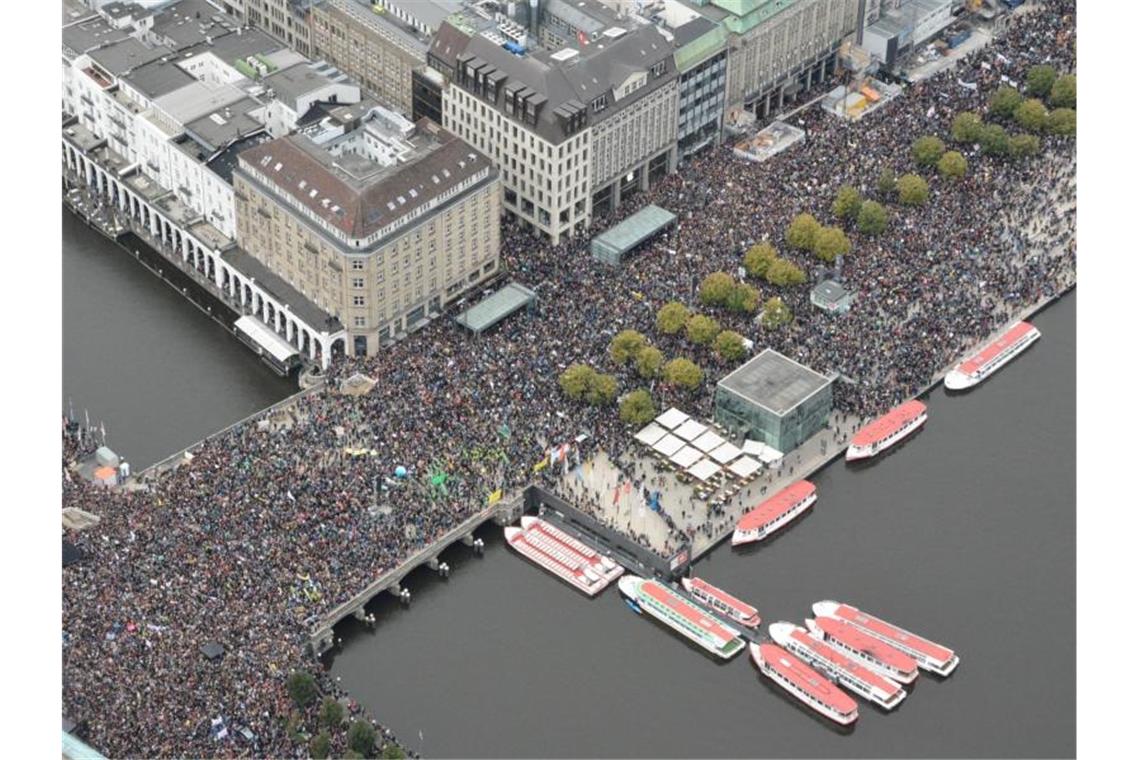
[
  {"x": 775, "y": 314},
  {"x": 783, "y": 272},
  {"x": 319, "y": 746},
  {"x": 729, "y": 345},
  {"x": 966, "y": 127},
  {"x": 603, "y": 390},
  {"x": 846, "y": 203},
  {"x": 801, "y": 232},
  {"x": 952, "y": 165},
  {"x": 743, "y": 299},
  {"x": 1024, "y": 146},
  {"x": 625, "y": 346},
  {"x": 302, "y": 688},
  {"x": 701, "y": 329},
  {"x": 648, "y": 362},
  {"x": 913, "y": 190},
  {"x": 683, "y": 373},
  {"x": 887, "y": 183},
  {"x": 575, "y": 380},
  {"x": 757, "y": 259},
  {"x": 1039, "y": 81},
  {"x": 1063, "y": 122},
  {"x": 1064, "y": 92},
  {"x": 872, "y": 218},
  {"x": 1004, "y": 101},
  {"x": 994, "y": 140},
  {"x": 332, "y": 712},
  {"x": 927, "y": 150},
  {"x": 830, "y": 243},
  {"x": 716, "y": 288},
  {"x": 1031, "y": 115},
  {"x": 637, "y": 408},
  {"x": 362, "y": 737},
  {"x": 671, "y": 317}
]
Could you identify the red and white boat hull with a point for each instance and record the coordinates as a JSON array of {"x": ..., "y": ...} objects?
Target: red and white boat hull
[
  {"x": 837, "y": 666},
  {"x": 563, "y": 555},
  {"x": 804, "y": 683},
  {"x": 992, "y": 357},
  {"x": 931, "y": 657},
  {"x": 722, "y": 602},
  {"x": 866, "y": 650},
  {"x": 884, "y": 432},
  {"x": 774, "y": 513}
]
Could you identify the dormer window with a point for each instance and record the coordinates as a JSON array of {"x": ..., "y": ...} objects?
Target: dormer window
[
  {"x": 659, "y": 68},
  {"x": 599, "y": 104}
]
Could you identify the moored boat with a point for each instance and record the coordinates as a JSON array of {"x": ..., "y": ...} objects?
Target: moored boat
[
  {"x": 838, "y": 666},
  {"x": 875, "y": 654},
  {"x": 992, "y": 356},
  {"x": 774, "y": 513},
  {"x": 720, "y": 601},
  {"x": 929, "y": 656},
  {"x": 805, "y": 684},
  {"x": 682, "y": 616},
  {"x": 563, "y": 555},
  {"x": 880, "y": 434}
]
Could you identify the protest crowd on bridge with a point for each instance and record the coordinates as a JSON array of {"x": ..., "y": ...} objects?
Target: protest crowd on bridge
[{"x": 268, "y": 527}]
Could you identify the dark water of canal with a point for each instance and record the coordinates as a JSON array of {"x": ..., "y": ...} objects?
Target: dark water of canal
[
  {"x": 966, "y": 534},
  {"x": 160, "y": 374}
]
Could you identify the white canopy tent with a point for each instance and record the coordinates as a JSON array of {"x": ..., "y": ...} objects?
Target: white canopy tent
[
  {"x": 725, "y": 453},
  {"x": 650, "y": 434},
  {"x": 691, "y": 430},
  {"x": 704, "y": 470},
  {"x": 672, "y": 418},
  {"x": 709, "y": 441},
  {"x": 744, "y": 467},
  {"x": 668, "y": 445},
  {"x": 686, "y": 457},
  {"x": 762, "y": 451}
]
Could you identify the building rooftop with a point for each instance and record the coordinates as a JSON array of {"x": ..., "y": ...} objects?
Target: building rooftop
[
  {"x": 219, "y": 128},
  {"x": 362, "y": 187},
  {"x": 774, "y": 381},
  {"x": 89, "y": 33},
  {"x": 430, "y": 13},
  {"x": 292, "y": 84},
  {"x": 828, "y": 291},
  {"x": 224, "y": 163},
  {"x": 158, "y": 78},
  {"x": 120, "y": 57},
  {"x": 496, "y": 307},
  {"x": 615, "y": 242}
]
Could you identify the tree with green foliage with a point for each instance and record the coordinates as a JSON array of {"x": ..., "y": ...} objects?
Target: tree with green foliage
[
  {"x": 683, "y": 374},
  {"x": 362, "y": 737},
  {"x": 994, "y": 140},
  {"x": 1064, "y": 92},
  {"x": 575, "y": 380},
  {"x": 1063, "y": 122},
  {"x": 830, "y": 243},
  {"x": 637, "y": 408},
  {"x": 927, "y": 150},
  {"x": 625, "y": 346},
  {"x": 351, "y": 754},
  {"x": 1024, "y": 146},
  {"x": 392, "y": 752},
  {"x": 716, "y": 289},
  {"x": 1039, "y": 81},
  {"x": 743, "y": 298},
  {"x": 846, "y": 203},
  {"x": 1004, "y": 102},
  {"x": 302, "y": 688},
  {"x": 801, "y": 232},
  {"x": 729, "y": 345},
  {"x": 671, "y": 318},
  {"x": 913, "y": 190},
  {"x": 603, "y": 390},
  {"x": 332, "y": 713},
  {"x": 887, "y": 183},
  {"x": 648, "y": 362},
  {"x": 758, "y": 258},
  {"x": 952, "y": 165},
  {"x": 1032, "y": 115},
  {"x": 701, "y": 329},
  {"x": 775, "y": 313},
  {"x": 319, "y": 746},
  {"x": 783, "y": 272},
  {"x": 966, "y": 127},
  {"x": 872, "y": 218}
]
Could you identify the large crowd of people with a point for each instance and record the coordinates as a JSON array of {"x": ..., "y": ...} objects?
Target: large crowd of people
[{"x": 269, "y": 527}]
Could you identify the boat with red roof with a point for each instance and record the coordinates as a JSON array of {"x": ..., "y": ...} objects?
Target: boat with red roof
[
  {"x": 805, "y": 684},
  {"x": 929, "y": 656},
  {"x": 720, "y": 601},
  {"x": 774, "y": 513},
  {"x": 837, "y": 666},
  {"x": 563, "y": 555},
  {"x": 880, "y": 434},
  {"x": 684, "y": 617},
  {"x": 868, "y": 650},
  {"x": 992, "y": 357}
]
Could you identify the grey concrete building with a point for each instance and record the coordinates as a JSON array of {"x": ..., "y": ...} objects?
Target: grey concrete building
[{"x": 287, "y": 20}]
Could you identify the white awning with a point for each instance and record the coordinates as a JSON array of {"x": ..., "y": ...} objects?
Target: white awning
[
  {"x": 271, "y": 342},
  {"x": 686, "y": 457},
  {"x": 744, "y": 467},
  {"x": 725, "y": 453},
  {"x": 669, "y": 445},
  {"x": 704, "y": 469},
  {"x": 691, "y": 430},
  {"x": 672, "y": 418},
  {"x": 650, "y": 434},
  {"x": 762, "y": 451},
  {"x": 709, "y": 441}
]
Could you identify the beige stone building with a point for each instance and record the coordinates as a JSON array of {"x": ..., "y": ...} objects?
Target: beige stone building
[
  {"x": 377, "y": 221},
  {"x": 379, "y": 53}
]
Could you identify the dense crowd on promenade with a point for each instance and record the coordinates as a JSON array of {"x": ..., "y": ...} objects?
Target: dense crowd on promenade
[{"x": 268, "y": 528}]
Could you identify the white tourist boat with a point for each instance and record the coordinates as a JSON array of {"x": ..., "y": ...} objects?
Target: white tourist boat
[{"x": 992, "y": 357}]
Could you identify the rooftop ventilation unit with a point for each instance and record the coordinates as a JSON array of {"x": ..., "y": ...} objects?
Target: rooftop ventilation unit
[
  {"x": 565, "y": 55},
  {"x": 614, "y": 32}
]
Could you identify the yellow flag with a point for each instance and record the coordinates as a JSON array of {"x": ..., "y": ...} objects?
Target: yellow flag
[{"x": 495, "y": 496}]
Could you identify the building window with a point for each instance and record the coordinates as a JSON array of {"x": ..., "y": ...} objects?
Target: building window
[
  {"x": 358, "y": 300},
  {"x": 358, "y": 282},
  {"x": 358, "y": 321},
  {"x": 358, "y": 264},
  {"x": 659, "y": 68},
  {"x": 599, "y": 104}
]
